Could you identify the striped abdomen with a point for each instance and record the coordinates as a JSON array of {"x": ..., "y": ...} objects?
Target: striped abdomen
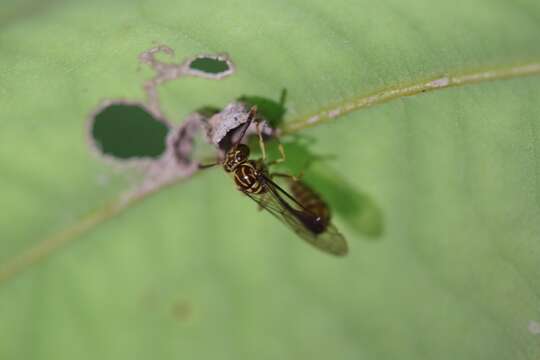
[
  {"x": 311, "y": 201},
  {"x": 248, "y": 178}
]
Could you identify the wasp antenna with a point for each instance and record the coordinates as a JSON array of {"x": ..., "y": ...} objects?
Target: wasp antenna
[{"x": 250, "y": 117}]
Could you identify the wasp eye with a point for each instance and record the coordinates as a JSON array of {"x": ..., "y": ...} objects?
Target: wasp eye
[{"x": 242, "y": 152}]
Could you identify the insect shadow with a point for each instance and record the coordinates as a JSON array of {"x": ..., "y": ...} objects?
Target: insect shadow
[{"x": 270, "y": 110}]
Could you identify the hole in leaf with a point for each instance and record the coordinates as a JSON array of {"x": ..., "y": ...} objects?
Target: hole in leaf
[
  {"x": 210, "y": 65},
  {"x": 129, "y": 130}
]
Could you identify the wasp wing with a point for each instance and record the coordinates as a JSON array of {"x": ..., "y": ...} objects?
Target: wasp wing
[{"x": 288, "y": 210}]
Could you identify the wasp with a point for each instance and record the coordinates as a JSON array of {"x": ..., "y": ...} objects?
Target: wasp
[{"x": 301, "y": 209}]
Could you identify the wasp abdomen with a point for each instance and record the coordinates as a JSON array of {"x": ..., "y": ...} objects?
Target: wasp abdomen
[{"x": 311, "y": 201}]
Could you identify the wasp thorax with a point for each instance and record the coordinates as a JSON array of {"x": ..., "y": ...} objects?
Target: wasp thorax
[{"x": 237, "y": 155}]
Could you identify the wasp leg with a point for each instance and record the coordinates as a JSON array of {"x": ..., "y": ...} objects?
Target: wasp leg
[
  {"x": 281, "y": 159},
  {"x": 261, "y": 141},
  {"x": 288, "y": 176},
  {"x": 262, "y": 146},
  {"x": 206, "y": 166}
]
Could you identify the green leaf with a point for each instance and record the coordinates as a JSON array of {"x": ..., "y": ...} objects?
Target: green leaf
[{"x": 437, "y": 193}]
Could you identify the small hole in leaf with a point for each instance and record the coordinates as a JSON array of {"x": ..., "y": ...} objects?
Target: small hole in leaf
[
  {"x": 128, "y": 130},
  {"x": 210, "y": 65}
]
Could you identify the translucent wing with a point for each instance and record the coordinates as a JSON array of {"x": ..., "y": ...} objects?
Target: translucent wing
[{"x": 284, "y": 207}]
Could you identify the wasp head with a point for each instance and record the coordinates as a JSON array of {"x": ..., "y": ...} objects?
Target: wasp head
[{"x": 236, "y": 155}]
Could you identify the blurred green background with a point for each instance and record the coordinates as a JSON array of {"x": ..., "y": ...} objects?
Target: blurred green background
[{"x": 444, "y": 187}]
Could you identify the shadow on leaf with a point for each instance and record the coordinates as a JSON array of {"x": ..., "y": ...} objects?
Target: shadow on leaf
[{"x": 271, "y": 110}]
